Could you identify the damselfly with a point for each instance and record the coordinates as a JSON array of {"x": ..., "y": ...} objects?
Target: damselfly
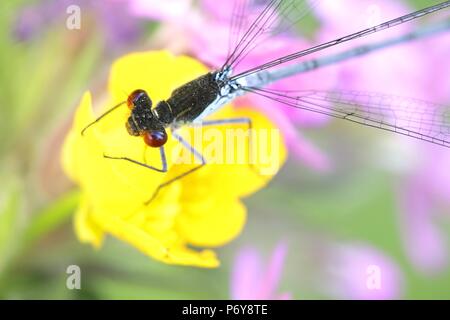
[{"x": 192, "y": 102}]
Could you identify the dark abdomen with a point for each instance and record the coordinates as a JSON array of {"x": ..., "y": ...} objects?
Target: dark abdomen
[{"x": 190, "y": 100}]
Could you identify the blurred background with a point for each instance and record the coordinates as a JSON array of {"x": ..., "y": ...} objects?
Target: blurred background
[{"x": 356, "y": 213}]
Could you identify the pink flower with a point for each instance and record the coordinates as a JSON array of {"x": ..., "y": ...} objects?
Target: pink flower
[
  {"x": 418, "y": 70},
  {"x": 207, "y": 34},
  {"x": 425, "y": 194},
  {"x": 363, "y": 273},
  {"x": 427, "y": 188},
  {"x": 251, "y": 280}
]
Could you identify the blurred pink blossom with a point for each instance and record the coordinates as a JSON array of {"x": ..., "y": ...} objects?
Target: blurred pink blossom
[
  {"x": 363, "y": 273},
  {"x": 118, "y": 27},
  {"x": 426, "y": 190},
  {"x": 212, "y": 48},
  {"x": 251, "y": 280},
  {"x": 420, "y": 70},
  {"x": 425, "y": 194}
]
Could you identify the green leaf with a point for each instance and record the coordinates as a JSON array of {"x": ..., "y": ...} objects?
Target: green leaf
[{"x": 51, "y": 217}]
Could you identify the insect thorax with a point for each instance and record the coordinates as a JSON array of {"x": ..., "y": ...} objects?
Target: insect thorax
[{"x": 190, "y": 100}]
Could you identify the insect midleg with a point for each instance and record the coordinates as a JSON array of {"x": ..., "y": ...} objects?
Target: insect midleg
[
  {"x": 196, "y": 154},
  {"x": 163, "y": 161}
]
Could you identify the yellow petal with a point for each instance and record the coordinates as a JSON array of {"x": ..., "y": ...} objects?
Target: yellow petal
[
  {"x": 154, "y": 247},
  {"x": 188, "y": 257},
  {"x": 211, "y": 222},
  {"x": 83, "y": 115},
  {"x": 234, "y": 176},
  {"x": 86, "y": 230},
  {"x": 201, "y": 209}
]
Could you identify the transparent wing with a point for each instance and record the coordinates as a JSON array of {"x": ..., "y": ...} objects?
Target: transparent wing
[
  {"x": 239, "y": 19},
  {"x": 415, "y": 118},
  {"x": 325, "y": 45},
  {"x": 254, "y": 21}
]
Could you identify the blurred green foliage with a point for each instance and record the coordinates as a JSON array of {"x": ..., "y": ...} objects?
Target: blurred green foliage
[{"x": 40, "y": 84}]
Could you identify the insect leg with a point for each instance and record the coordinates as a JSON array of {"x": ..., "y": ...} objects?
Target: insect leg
[
  {"x": 196, "y": 154},
  {"x": 163, "y": 161}
]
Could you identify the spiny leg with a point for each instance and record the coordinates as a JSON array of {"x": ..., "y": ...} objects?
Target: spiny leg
[
  {"x": 163, "y": 161},
  {"x": 246, "y": 121},
  {"x": 196, "y": 154}
]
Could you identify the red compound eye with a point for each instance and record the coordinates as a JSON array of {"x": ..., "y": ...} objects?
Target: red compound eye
[
  {"x": 155, "y": 139},
  {"x": 134, "y": 96}
]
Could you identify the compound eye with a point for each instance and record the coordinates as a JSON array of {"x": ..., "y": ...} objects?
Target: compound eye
[
  {"x": 155, "y": 139},
  {"x": 131, "y": 128},
  {"x": 137, "y": 95}
]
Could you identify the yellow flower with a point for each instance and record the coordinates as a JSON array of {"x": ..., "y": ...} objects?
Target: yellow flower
[{"x": 202, "y": 209}]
